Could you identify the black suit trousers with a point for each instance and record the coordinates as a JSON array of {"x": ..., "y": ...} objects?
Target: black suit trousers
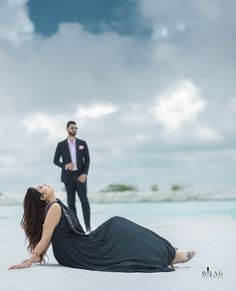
[{"x": 72, "y": 186}]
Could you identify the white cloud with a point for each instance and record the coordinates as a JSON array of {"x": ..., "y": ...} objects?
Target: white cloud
[
  {"x": 113, "y": 79},
  {"x": 232, "y": 104},
  {"x": 52, "y": 125},
  {"x": 160, "y": 32},
  {"x": 15, "y": 25},
  {"x": 178, "y": 105},
  {"x": 180, "y": 26},
  {"x": 178, "y": 109},
  {"x": 176, "y": 10},
  {"x": 95, "y": 111},
  {"x": 206, "y": 134}
]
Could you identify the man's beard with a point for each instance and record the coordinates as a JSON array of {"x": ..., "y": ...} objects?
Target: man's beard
[{"x": 72, "y": 133}]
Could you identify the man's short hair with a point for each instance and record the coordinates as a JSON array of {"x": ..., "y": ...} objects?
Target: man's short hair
[{"x": 69, "y": 123}]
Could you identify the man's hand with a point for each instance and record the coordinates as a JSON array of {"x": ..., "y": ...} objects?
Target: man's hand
[
  {"x": 82, "y": 178},
  {"x": 70, "y": 166},
  {"x": 24, "y": 264}
]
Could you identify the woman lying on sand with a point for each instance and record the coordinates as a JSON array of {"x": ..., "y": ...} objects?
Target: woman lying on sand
[{"x": 117, "y": 245}]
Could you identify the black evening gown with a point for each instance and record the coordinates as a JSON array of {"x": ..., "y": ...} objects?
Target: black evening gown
[{"x": 117, "y": 245}]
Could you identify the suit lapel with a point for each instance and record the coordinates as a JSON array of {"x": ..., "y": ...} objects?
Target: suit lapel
[
  {"x": 77, "y": 150},
  {"x": 67, "y": 149}
]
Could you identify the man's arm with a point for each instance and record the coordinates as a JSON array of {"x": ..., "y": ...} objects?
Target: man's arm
[
  {"x": 86, "y": 159},
  {"x": 57, "y": 157}
]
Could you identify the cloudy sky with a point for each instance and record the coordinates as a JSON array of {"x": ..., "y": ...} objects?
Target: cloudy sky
[{"x": 150, "y": 83}]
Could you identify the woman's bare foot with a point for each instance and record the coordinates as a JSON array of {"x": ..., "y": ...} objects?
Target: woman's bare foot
[{"x": 183, "y": 257}]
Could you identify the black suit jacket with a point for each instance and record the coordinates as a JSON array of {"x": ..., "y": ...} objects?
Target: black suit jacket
[{"x": 62, "y": 157}]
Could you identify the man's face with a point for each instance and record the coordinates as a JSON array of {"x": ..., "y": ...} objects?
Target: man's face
[{"x": 72, "y": 129}]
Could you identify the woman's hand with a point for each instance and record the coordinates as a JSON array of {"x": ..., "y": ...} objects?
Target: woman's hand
[{"x": 24, "y": 264}]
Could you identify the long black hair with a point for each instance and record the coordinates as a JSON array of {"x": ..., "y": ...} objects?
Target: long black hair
[{"x": 33, "y": 219}]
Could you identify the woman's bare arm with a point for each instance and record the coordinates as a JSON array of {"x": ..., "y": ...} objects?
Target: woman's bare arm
[{"x": 51, "y": 220}]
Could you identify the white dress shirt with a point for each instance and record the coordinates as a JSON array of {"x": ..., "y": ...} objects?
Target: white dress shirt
[{"x": 72, "y": 148}]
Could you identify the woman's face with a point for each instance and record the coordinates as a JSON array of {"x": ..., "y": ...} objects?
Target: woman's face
[{"x": 45, "y": 190}]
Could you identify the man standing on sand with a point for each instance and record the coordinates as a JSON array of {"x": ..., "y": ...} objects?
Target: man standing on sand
[{"x": 75, "y": 164}]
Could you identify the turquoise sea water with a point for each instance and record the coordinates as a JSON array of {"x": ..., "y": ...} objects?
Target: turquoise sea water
[
  {"x": 165, "y": 210},
  {"x": 143, "y": 212}
]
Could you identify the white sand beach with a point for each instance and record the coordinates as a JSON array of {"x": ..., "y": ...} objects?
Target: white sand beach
[{"x": 213, "y": 237}]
